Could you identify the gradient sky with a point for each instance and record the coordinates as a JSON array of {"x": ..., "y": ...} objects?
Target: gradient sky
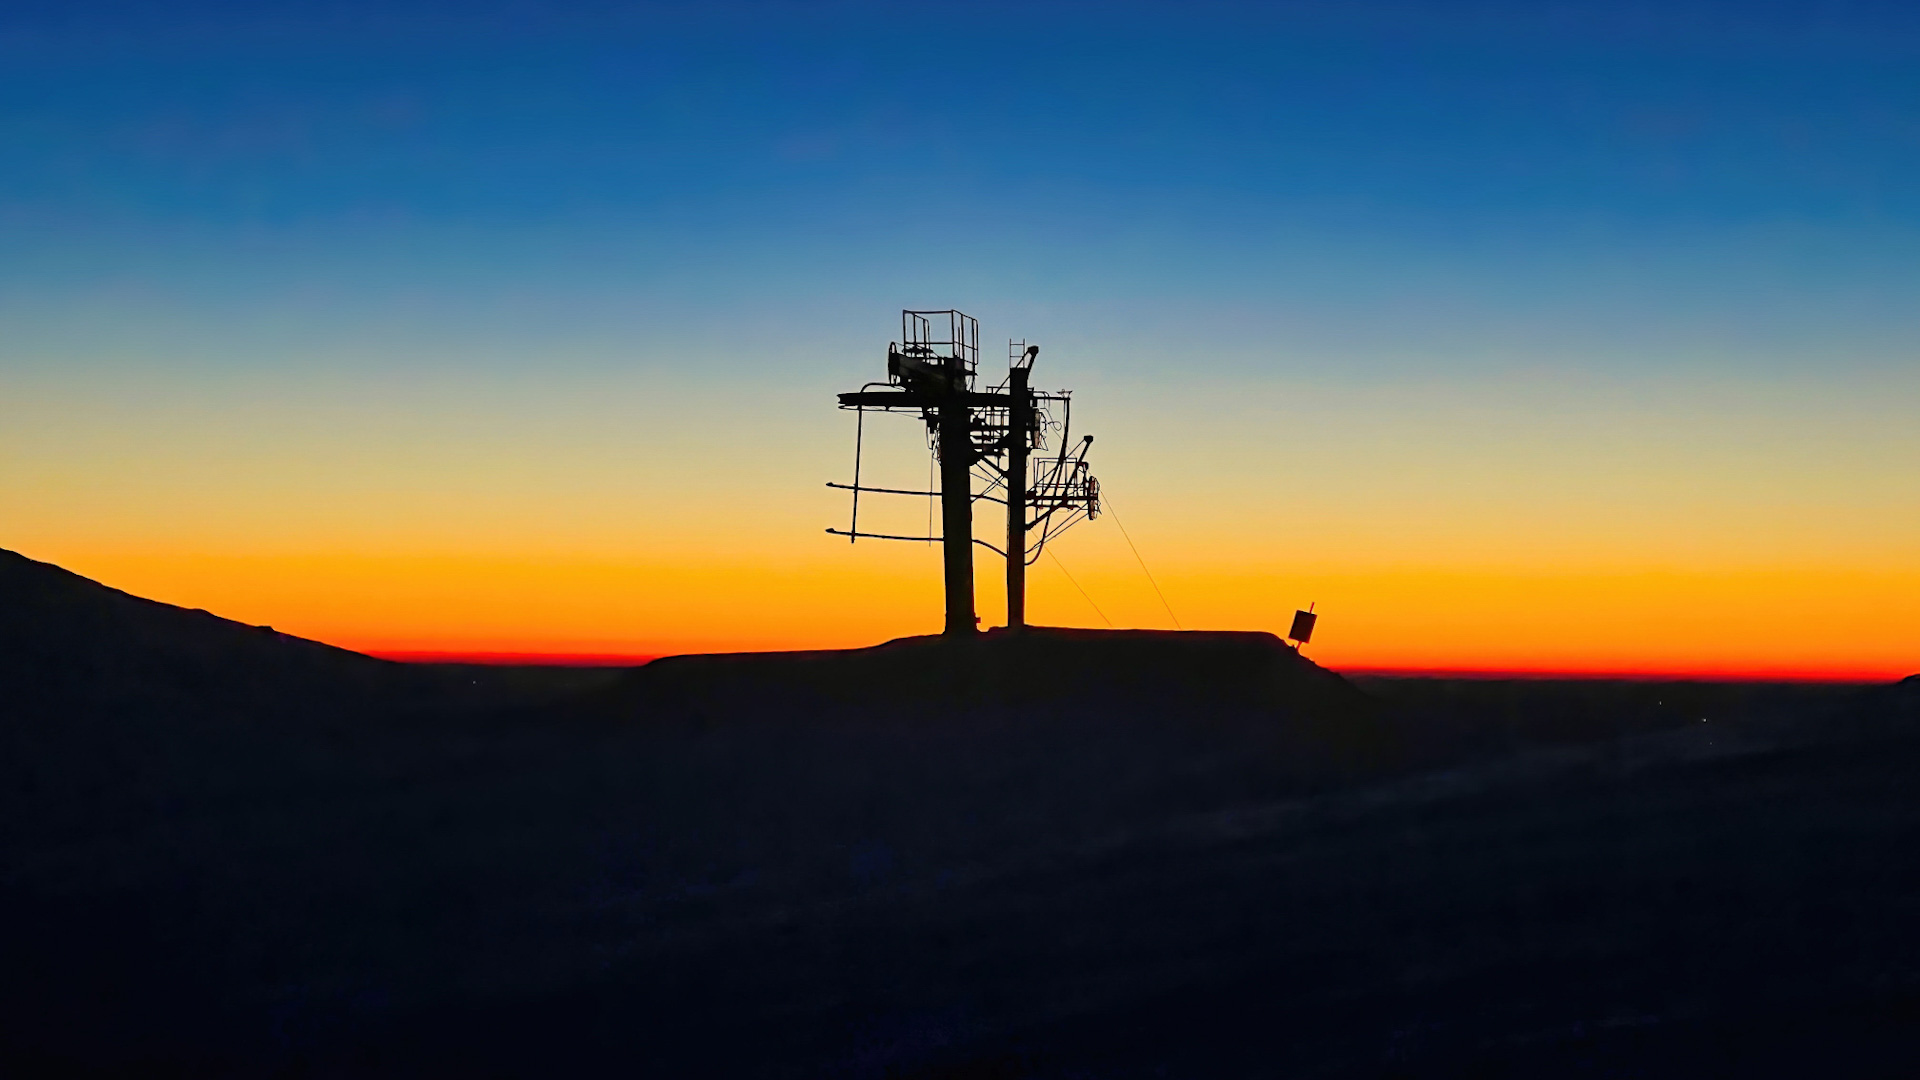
[{"x": 1516, "y": 336}]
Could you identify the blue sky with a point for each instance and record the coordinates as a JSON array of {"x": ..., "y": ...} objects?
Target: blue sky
[{"x": 1697, "y": 166}]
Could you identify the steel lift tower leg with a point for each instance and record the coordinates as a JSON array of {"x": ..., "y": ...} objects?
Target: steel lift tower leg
[
  {"x": 1019, "y": 434},
  {"x": 935, "y": 378},
  {"x": 956, "y": 512}
]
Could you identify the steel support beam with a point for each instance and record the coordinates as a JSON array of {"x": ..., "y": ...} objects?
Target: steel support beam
[
  {"x": 1019, "y": 439},
  {"x": 956, "y": 511},
  {"x": 908, "y": 399}
]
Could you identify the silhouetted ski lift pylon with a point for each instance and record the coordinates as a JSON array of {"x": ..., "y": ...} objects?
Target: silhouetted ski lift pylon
[{"x": 933, "y": 370}]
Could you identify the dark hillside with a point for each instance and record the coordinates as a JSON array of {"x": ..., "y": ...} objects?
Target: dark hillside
[
  {"x": 64, "y": 638},
  {"x": 224, "y": 851},
  {"x": 118, "y": 712},
  {"x": 197, "y": 811},
  {"x": 1108, "y": 668},
  {"x": 68, "y": 641},
  {"x": 1224, "y": 703}
]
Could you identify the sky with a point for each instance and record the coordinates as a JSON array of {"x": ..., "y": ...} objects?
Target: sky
[{"x": 1515, "y": 337}]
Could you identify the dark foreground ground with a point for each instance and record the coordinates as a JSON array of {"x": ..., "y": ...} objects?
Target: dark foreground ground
[{"x": 225, "y": 851}]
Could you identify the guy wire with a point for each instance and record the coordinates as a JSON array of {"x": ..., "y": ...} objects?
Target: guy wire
[
  {"x": 1108, "y": 506},
  {"x": 1076, "y": 584}
]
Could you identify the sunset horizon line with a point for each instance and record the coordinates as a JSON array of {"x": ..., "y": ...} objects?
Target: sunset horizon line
[{"x": 1544, "y": 672}]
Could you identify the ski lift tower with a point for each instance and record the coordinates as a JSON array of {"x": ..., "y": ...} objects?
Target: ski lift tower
[{"x": 933, "y": 370}]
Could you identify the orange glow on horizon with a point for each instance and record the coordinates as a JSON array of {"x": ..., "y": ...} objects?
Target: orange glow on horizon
[
  {"x": 1786, "y": 624},
  {"x": 1844, "y": 676},
  {"x": 535, "y": 659},
  {"x": 1541, "y": 521}
]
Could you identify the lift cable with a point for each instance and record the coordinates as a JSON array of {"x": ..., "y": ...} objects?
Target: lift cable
[
  {"x": 1107, "y": 501},
  {"x": 1083, "y": 592}
]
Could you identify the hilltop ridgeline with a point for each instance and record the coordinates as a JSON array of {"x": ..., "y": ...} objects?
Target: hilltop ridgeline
[
  {"x": 64, "y": 637},
  {"x": 1037, "y": 664}
]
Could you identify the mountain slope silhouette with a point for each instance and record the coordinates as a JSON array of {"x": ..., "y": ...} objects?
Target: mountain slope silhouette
[
  {"x": 225, "y": 850},
  {"x": 67, "y": 639}
]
